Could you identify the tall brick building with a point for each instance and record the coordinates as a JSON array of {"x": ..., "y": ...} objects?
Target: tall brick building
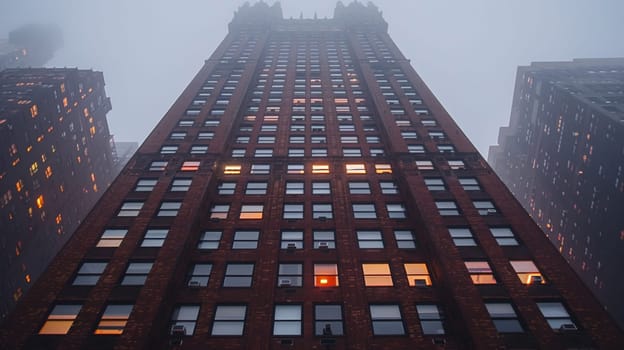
[
  {"x": 307, "y": 191},
  {"x": 55, "y": 163},
  {"x": 562, "y": 155}
]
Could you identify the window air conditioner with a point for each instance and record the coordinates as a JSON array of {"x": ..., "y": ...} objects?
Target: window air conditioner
[
  {"x": 178, "y": 331},
  {"x": 194, "y": 284},
  {"x": 323, "y": 245},
  {"x": 420, "y": 282},
  {"x": 568, "y": 327},
  {"x": 285, "y": 283},
  {"x": 291, "y": 246}
]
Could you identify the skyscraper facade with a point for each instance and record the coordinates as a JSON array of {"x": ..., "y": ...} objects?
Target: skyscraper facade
[
  {"x": 307, "y": 191},
  {"x": 55, "y": 163},
  {"x": 562, "y": 155},
  {"x": 30, "y": 46}
]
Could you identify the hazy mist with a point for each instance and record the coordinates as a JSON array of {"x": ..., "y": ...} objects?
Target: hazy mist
[{"x": 466, "y": 51}]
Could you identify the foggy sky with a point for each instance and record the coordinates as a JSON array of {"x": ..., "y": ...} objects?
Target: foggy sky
[{"x": 466, "y": 51}]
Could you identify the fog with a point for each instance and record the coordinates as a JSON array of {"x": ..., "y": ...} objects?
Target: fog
[{"x": 466, "y": 51}]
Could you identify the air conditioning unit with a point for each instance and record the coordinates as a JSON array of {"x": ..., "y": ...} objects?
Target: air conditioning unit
[
  {"x": 322, "y": 218},
  {"x": 492, "y": 211},
  {"x": 438, "y": 341},
  {"x": 291, "y": 246},
  {"x": 323, "y": 245},
  {"x": 420, "y": 282},
  {"x": 178, "y": 331},
  {"x": 285, "y": 283},
  {"x": 194, "y": 284},
  {"x": 568, "y": 327}
]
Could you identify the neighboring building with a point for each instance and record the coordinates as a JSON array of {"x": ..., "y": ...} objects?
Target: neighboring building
[
  {"x": 55, "y": 164},
  {"x": 30, "y": 46},
  {"x": 562, "y": 155},
  {"x": 308, "y": 191},
  {"x": 122, "y": 152}
]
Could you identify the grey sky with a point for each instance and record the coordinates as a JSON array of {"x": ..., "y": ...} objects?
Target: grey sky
[{"x": 466, "y": 51}]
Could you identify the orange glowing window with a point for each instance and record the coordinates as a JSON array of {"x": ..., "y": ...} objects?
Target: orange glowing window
[
  {"x": 114, "y": 319},
  {"x": 60, "y": 319},
  {"x": 320, "y": 169},
  {"x": 65, "y": 103},
  {"x": 250, "y": 118},
  {"x": 92, "y": 131},
  {"x": 383, "y": 168},
  {"x": 527, "y": 272},
  {"x": 19, "y": 185},
  {"x": 27, "y": 278},
  {"x": 34, "y": 111},
  {"x": 251, "y": 212},
  {"x": 58, "y": 219},
  {"x": 62, "y": 87},
  {"x": 377, "y": 275},
  {"x": 232, "y": 170},
  {"x": 39, "y": 201},
  {"x": 417, "y": 275},
  {"x": 190, "y": 166},
  {"x": 354, "y": 169},
  {"x": 325, "y": 275},
  {"x": 480, "y": 272}
]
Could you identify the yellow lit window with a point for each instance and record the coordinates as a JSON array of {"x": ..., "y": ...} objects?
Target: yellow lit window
[
  {"x": 377, "y": 275},
  {"x": 62, "y": 88},
  {"x": 320, "y": 169},
  {"x": 27, "y": 278},
  {"x": 480, "y": 272},
  {"x": 356, "y": 169},
  {"x": 34, "y": 111},
  {"x": 19, "y": 185},
  {"x": 60, "y": 319},
  {"x": 34, "y": 168},
  {"x": 383, "y": 169},
  {"x": 40, "y": 138},
  {"x": 527, "y": 272},
  {"x": 114, "y": 319},
  {"x": 39, "y": 201},
  {"x": 190, "y": 166},
  {"x": 92, "y": 131},
  {"x": 325, "y": 275},
  {"x": 251, "y": 212},
  {"x": 58, "y": 219},
  {"x": 417, "y": 275},
  {"x": 232, "y": 170},
  {"x": 65, "y": 103}
]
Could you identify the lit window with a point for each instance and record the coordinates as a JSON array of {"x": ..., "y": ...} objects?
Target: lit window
[
  {"x": 480, "y": 272},
  {"x": 359, "y": 187},
  {"x": 504, "y": 236},
  {"x": 424, "y": 165},
  {"x": 328, "y": 320},
  {"x": 290, "y": 275},
  {"x": 238, "y": 275},
  {"x": 556, "y": 315},
  {"x": 369, "y": 239},
  {"x": 462, "y": 236},
  {"x": 447, "y": 208},
  {"x": 168, "y": 149},
  {"x": 185, "y": 318},
  {"x": 295, "y": 169},
  {"x": 219, "y": 211},
  {"x": 321, "y": 187},
  {"x": 383, "y": 169},
  {"x": 527, "y": 272},
  {"x": 60, "y": 319},
  {"x": 320, "y": 169},
  {"x": 485, "y": 207},
  {"x": 386, "y": 319},
  {"x": 260, "y": 169},
  {"x": 263, "y": 152},
  {"x": 229, "y": 320},
  {"x": 200, "y": 275},
  {"x": 245, "y": 239},
  {"x": 145, "y": 185},
  {"x": 504, "y": 317},
  {"x": 209, "y": 240},
  {"x": 251, "y": 212},
  {"x": 417, "y": 275},
  {"x": 136, "y": 273},
  {"x": 130, "y": 209},
  {"x": 396, "y": 211},
  {"x": 355, "y": 169},
  {"x": 112, "y": 238},
  {"x": 326, "y": 275},
  {"x": 456, "y": 164},
  {"x": 190, "y": 166},
  {"x": 114, "y": 319},
  {"x": 377, "y": 275},
  {"x": 431, "y": 319},
  {"x": 292, "y": 240},
  {"x": 435, "y": 184},
  {"x": 293, "y": 211},
  {"x": 89, "y": 273},
  {"x": 405, "y": 239},
  {"x": 169, "y": 208},
  {"x": 287, "y": 320},
  {"x": 469, "y": 184},
  {"x": 154, "y": 237},
  {"x": 324, "y": 240},
  {"x": 322, "y": 211},
  {"x": 232, "y": 170}
]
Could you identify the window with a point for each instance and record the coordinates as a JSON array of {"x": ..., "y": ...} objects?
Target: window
[
  {"x": 205, "y": 135},
  {"x": 396, "y": 210},
  {"x": 386, "y": 319},
  {"x": 238, "y": 153},
  {"x": 251, "y": 212},
  {"x": 295, "y": 169},
  {"x": 219, "y": 211},
  {"x": 405, "y": 239},
  {"x": 296, "y": 152},
  {"x": 200, "y": 274},
  {"x": 145, "y": 185},
  {"x": 136, "y": 273},
  {"x": 245, "y": 240},
  {"x": 238, "y": 275},
  {"x": 154, "y": 237},
  {"x": 504, "y": 317},
  {"x": 320, "y": 169},
  {"x": 377, "y": 275},
  {"x": 431, "y": 319},
  {"x": 242, "y": 139},
  {"x": 293, "y": 187},
  {"x": 527, "y": 272},
  {"x": 293, "y": 211},
  {"x": 229, "y": 320},
  {"x": 232, "y": 169},
  {"x": 180, "y": 185},
  {"x": 111, "y": 238},
  {"x": 287, "y": 320},
  {"x": 199, "y": 149},
  {"x": 372, "y": 139},
  {"x": 424, "y": 165},
  {"x": 318, "y": 139},
  {"x": 354, "y": 169},
  {"x": 504, "y": 236},
  {"x": 469, "y": 184},
  {"x": 415, "y": 148},
  {"x": 256, "y": 188},
  {"x": 227, "y": 188},
  {"x": 348, "y": 139},
  {"x": 369, "y": 239},
  {"x": 417, "y": 274},
  {"x": 462, "y": 236},
  {"x": 480, "y": 272},
  {"x": 359, "y": 187},
  {"x": 158, "y": 166},
  {"x": 60, "y": 319},
  {"x": 168, "y": 149},
  {"x": 89, "y": 273},
  {"x": 260, "y": 169},
  {"x": 290, "y": 275},
  {"x": 297, "y": 139},
  {"x": 328, "y": 320},
  {"x": 319, "y": 152},
  {"x": 485, "y": 207},
  {"x": 383, "y": 169},
  {"x": 324, "y": 240},
  {"x": 114, "y": 319},
  {"x": 180, "y": 135},
  {"x": 209, "y": 240},
  {"x": 456, "y": 164},
  {"x": 268, "y": 128},
  {"x": 364, "y": 211},
  {"x": 169, "y": 209},
  {"x": 556, "y": 315},
  {"x": 292, "y": 240},
  {"x": 447, "y": 208},
  {"x": 437, "y": 135},
  {"x": 185, "y": 316},
  {"x": 409, "y": 135},
  {"x": 325, "y": 275},
  {"x": 186, "y": 123},
  {"x": 190, "y": 166},
  {"x": 130, "y": 209},
  {"x": 435, "y": 184},
  {"x": 322, "y": 211},
  {"x": 388, "y": 187}
]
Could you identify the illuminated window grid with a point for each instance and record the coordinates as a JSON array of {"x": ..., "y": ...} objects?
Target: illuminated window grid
[
  {"x": 60, "y": 319},
  {"x": 417, "y": 274},
  {"x": 480, "y": 272},
  {"x": 326, "y": 275},
  {"x": 113, "y": 320},
  {"x": 377, "y": 275}
]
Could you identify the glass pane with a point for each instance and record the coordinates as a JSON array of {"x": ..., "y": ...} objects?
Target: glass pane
[
  {"x": 334, "y": 326},
  {"x": 508, "y": 326},
  {"x": 239, "y": 269},
  {"x": 553, "y": 310},
  {"x": 227, "y": 328},
  {"x": 287, "y": 328},
  {"x": 233, "y": 312},
  {"x": 287, "y": 312},
  {"x": 189, "y": 312},
  {"x": 432, "y": 327},
  {"x": 328, "y": 312},
  {"x": 385, "y": 312},
  {"x": 388, "y": 327}
]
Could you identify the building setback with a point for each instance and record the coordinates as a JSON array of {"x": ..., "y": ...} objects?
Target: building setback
[
  {"x": 55, "y": 163},
  {"x": 30, "y": 46},
  {"x": 308, "y": 191},
  {"x": 562, "y": 155}
]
